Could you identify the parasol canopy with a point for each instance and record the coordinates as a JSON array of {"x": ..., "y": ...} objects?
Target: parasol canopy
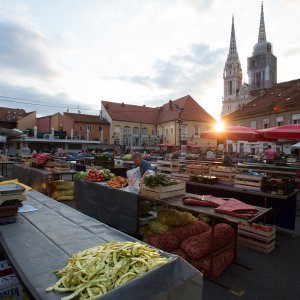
[
  {"x": 284, "y": 132},
  {"x": 166, "y": 145},
  {"x": 236, "y": 133}
]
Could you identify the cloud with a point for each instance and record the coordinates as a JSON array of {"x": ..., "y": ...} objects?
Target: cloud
[
  {"x": 292, "y": 52},
  {"x": 24, "y": 52},
  {"x": 32, "y": 99}
]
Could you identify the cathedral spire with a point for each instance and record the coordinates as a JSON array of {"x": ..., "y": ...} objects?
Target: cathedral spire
[
  {"x": 262, "y": 31},
  {"x": 232, "y": 46}
]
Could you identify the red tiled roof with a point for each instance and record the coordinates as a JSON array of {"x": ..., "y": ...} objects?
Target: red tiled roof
[
  {"x": 189, "y": 108},
  {"x": 284, "y": 96},
  {"x": 131, "y": 113},
  {"x": 86, "y": 118},
  {"x": 190, "y": 111}
]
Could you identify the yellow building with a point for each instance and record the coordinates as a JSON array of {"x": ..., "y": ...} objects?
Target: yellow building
[{"x": 179, "y": 122}]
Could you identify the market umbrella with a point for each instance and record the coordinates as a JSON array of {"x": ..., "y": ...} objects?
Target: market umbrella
[
  {"x": 166, "y": 145},
  {"x": 284, "y": 132},
  {"x": 235, "y": 133}
]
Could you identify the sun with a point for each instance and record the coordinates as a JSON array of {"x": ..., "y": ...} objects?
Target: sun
[{"x": 219, "y": 126}]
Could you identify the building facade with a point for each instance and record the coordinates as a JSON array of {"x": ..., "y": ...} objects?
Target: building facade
[{"x": 177, "y": 123}]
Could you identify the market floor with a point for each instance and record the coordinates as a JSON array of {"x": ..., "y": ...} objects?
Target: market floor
[{"x": 273, "y": 276}]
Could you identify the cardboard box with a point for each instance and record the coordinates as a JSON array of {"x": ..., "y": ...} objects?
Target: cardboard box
[{"x": 10, "y": 287}]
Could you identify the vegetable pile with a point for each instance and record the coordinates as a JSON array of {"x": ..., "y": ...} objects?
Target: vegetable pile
[
  {"x": 95, "y": 271},
  {"x": 94, "y": 175},
  {"x": 118, "y": 182},
  {"x": 158, "y": 179}
]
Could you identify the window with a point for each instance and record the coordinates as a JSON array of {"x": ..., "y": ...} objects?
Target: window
[
  {"x": 117, "y": 142},
  {"x": 144, "y": 130},
  {"x": 279, "y": 121},
  {"x": 253, "y": 124},
  {"x": 116, "y": 130},
  {"x": 100, "y": 128},
  {"x": 266, "y": 123},
  {"x": 166, "y": 131},
  {"x": 296, "y": 119},
  {"x": 154, "y": 132},
  {"x": 89, "y": 127},
  {"x": 196, "y": 130},
  {"x": 230, "y": 87},
  {"x": 105, "y": 140},
  {"x": 126, "y": 130},
  {"x": 172, "y": 130},
  {"x": 80, "y": 128},
  {"x": 82, "y": 137},
  {"x": 135, "y": 130}
]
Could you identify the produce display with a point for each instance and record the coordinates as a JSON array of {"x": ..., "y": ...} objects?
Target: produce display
[
  {"x": 117, "y": 182},
  {"x": 41, "y": 159},
  {"x": 79, "y": 175},
  {"x": 158, "y": 179},
  {"x": 97, "y": 270},
  {"x": 94, "y": 175}
]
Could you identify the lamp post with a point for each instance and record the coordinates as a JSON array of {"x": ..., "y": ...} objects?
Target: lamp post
[{"x": 179, "y": 121}]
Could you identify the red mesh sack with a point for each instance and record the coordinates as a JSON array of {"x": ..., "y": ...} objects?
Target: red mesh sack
[
  {"x": 154, "y": 240},
  {"x": 220, "y": 262},
  {"x": 197, "y": 246},
  {"x": 181, "y": 253},
  {"x": 169, "y": 241},
  {"x": 183, "y": 232}
]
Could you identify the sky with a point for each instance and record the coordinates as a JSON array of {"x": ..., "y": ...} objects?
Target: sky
[{"x": 59, "y": 55}]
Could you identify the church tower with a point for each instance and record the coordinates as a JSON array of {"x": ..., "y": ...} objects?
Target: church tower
[
  {"x": 232, "y": 76},
  {"x": 262, "y": 65}
]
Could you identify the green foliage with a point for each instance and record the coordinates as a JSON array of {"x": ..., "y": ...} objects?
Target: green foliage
[{"x": 159, "y": 179}]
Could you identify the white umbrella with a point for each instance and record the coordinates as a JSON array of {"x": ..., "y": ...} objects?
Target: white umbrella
[{"x": 296, "y": 146}]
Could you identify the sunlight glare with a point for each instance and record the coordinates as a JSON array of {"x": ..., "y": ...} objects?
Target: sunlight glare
[{"x": 219, "y": 126}]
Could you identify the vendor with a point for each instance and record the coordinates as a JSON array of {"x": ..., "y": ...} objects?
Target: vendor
[
  {"x": 139, "y": 162},
  {"x": 227, "y": 160},
  {"x": 270, "y": 155}
]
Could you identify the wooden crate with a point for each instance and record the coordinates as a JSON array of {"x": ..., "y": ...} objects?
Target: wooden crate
[
  {"x": 180, "y": 176},
  {"x": 224, "y": 174},
  {"x": 61, "y": 165},
  {"x": 257, "y": 237},
  {"x": 248, "y": 182},
  {"x": 163, "y": 192},
  {"x": 168, "y": 165},
  {"x": 198, "y": 169}
]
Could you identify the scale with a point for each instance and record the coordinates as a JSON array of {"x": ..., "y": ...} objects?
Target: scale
[{"x": 11, "y": 192}]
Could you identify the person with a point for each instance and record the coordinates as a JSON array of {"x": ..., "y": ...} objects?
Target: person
[
  {"x": 26, "y": 151},
  {"x": 139, "y": 162},
  {"x": 270, "y": 155},
  {"x": 227, "y": 160}
]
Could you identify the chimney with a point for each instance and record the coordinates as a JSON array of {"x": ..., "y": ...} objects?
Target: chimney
[
  {"x": 298, "y": 85},
  {"x": 123, "y": 104},
  {"x": 170, "y": 105}
]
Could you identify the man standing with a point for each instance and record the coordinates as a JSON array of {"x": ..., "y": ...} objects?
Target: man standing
[
  {"x": 139, "y": 162},
  {"x": 270, "y": 155}
]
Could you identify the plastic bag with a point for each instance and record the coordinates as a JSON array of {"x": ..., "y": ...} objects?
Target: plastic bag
[{"x": 134, "y": 177}]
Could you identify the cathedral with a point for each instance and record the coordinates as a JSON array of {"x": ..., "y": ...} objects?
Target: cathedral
[{"x": 261, "y": 70}]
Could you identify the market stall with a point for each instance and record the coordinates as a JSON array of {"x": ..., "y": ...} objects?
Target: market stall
[
  {"x": 115, "y": 207},
  {"x": 41, "y": 241},
  {"x": 39, "y": 179},
  {"x": 284, "y": 206}
]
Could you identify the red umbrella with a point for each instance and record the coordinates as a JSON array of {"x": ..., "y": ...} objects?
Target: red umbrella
[
  {"x": 235, "y": 133},
  {"x": 285, "y": 132},
  {"x": 166, "y": 145}
]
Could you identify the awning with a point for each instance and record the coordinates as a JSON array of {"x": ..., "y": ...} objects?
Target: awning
[{"x": 166, "y": 145}]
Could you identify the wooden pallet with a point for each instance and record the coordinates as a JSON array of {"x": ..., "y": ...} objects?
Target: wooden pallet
[
  {"x": 225, "y": 175},
  {"x": 163, "y": 192},
  {"x": 248, "y": 182}
]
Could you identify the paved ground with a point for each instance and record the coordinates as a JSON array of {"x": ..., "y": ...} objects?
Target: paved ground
[{"x": 272, "y": 276}]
